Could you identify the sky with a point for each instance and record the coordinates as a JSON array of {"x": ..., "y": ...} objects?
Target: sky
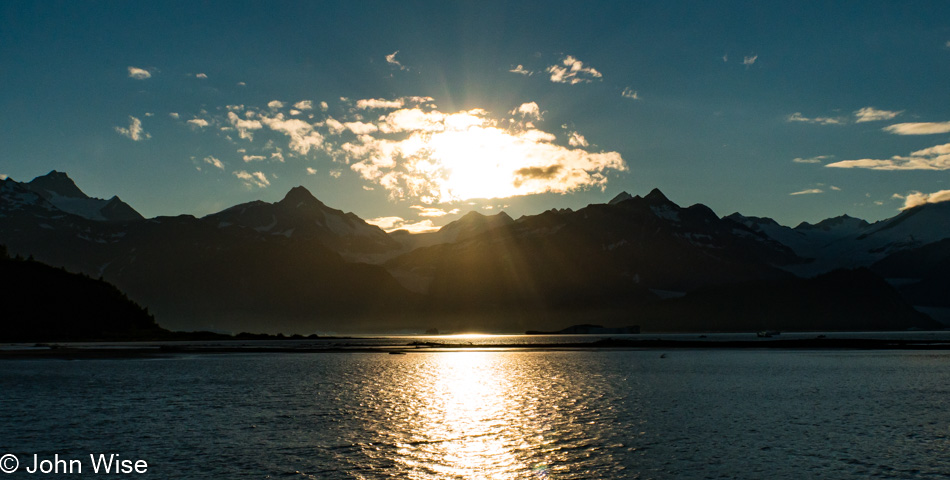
[{"x": 411, "y": 114}]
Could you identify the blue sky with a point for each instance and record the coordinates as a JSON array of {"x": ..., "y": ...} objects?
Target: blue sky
[{"x": 409, "y": 113}]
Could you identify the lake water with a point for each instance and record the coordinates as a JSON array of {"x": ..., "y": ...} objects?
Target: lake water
[{"x": 502, "y": 415}]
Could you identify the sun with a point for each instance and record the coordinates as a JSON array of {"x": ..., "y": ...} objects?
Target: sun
[{"x": 443, "y": 158}]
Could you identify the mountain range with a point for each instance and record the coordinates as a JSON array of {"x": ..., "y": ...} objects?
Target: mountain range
[{"x": 300, "y": 266}]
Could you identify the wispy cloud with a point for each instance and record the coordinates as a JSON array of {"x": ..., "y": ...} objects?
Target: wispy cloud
[
  {"x": 201, "y": 75},
  {"x": 817, "y": 159},
  {"x": 391, "y": 59},
  {"x": 520, "y": 70},
  {"x": 871, "y": 114},
  {"x": 810, "y": 191},
  {"x": 798, "y": 117},
  {"x": 916, "y": 199},
  {"x": 174, "y": 115},
  {"x": 302, "y": 135},
  {"x": 433, "y": 212},
  {"x": 256, "y": 179},
  {"x": 135, "y": 131},
  {"x": 197, "y": 123},
  {"x": 933, "y": 158},
  {"x": 139, "y": 73},
  {"x": 391, "y": 224},
  {"x": 577, "y": 140},
  {"x": 210, "y": 160},
  {"x": 368, "y": 103},
  {"x": 421, "y": 154},
  {"x": 572, "y": 71},
  {"x": 311, "y": 171},
  {"x": 528, "y": 110},
  {"x": 630, "y": 93},
  {"x": 750, "y": 60},
  {"x": 924, "y": 128},
  {"x": 244, "y": 126},
  {"x": 443, "y": 157}
]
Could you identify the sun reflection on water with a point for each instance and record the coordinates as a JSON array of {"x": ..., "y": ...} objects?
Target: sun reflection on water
[{"x": 470, "y": 418}]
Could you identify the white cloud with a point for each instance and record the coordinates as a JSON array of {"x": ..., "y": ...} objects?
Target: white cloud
[
  {"x": 835, "y": 188},
  {"x": 391, "y": 59},
  {"x": 4, "y": 176},
  {"x": 324, "y": 106},
  {"x": 577, "y": 140},
  {"x": 311, "y": 171},
  {"x": 528, "y": 110},
  {"x": 433, "y": 212},
  {"x": 302, "y": 135},
  {"x": 924, "y": 128},
  {"x": 336, "y": 127},
  {"x": 630, "y": 93},
  {"x": 149, "y": 114},
  {"x": 135, "y": 131},
  {"x": 361, "y": 128},
  {"x": 379, "y": 103},
  {"x": 817, "y": 159},
  {"x": 244, "y": 126},
  {"x": 241, "y": 84},
  {"x": 750, "y": 60},
  {"x": 214, "y": 162},
  {"x": 520, "y": 70},
  {"x": 439, "y": 157},
  {"x": 139, "y": 73},
  {"x": 391, "y": 224},
  {"x": 174, "y": 115},
  {"x": 304, "y": 105},
  {"x": 201, "y": 75},
  {"x": 871, "y": 114},
  {"x": 572, "y": 71},
  {"x": 275, "y": 104},
  {"x": 421, "y": 154},
  {"x": 933, "y": 158},
  {"x": 810, "y": 191},
  {"x": 798, "y": 117},
  {"x": 916, "y": 199},
  {"x": 257, "y": 179},
  {"x": 197, "y": 123}
]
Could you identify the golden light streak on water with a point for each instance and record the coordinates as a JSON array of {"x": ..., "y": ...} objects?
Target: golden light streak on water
[{"x": 468, "y": 418}]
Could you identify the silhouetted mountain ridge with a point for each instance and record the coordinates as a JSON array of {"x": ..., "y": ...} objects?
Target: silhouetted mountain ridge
[{"x": 298, "y": 265}]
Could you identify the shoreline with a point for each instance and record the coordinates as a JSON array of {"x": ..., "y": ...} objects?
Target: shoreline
[{"x": 78, "y": 351}]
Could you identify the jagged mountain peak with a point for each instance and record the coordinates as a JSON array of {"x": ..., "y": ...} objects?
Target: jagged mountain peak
[
  {"x": 656, "y": 196},
  {"x": 621, "y": 197},
  {"x": 475, "y": 217},
  {"x": 56, "y": 182},
  {"x": 749, "y": 221},
  {"x": 841, "y": 221},
  {"x": 300, "y": 195}
]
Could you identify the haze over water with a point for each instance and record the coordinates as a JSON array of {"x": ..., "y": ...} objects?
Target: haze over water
[{"x": 466, "y": 414}]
